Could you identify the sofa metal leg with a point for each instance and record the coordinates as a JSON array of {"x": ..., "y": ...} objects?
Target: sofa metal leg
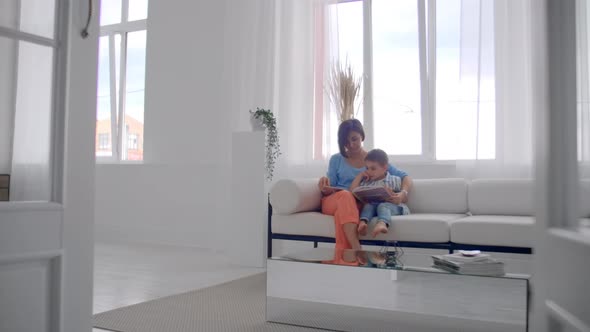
[{"x": 269, "y": 230}]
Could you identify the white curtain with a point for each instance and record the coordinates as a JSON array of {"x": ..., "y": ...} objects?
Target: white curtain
[
  {"x": 249, "y": 50},
  {"x": 8, "y": 54},
  {"x": 31, "y": 174},
  {"x": 509, "y": 23},
  {"x": 583, "y": 85},
  {"x": 303, "y": 47}
]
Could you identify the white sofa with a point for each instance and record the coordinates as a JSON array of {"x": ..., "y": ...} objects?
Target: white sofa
[{"x": 490, "y": 214}]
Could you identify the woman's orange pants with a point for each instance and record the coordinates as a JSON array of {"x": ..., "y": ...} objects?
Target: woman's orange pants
[{"x": 343, "y": 206}]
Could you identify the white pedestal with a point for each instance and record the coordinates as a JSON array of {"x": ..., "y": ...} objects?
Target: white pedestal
[{"x": 248, "y": 226}]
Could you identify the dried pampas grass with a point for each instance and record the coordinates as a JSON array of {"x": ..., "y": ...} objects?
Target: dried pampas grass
[{"x": 343, "y": 89}]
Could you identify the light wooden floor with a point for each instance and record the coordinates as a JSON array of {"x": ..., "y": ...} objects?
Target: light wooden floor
[{"x": 126, "y": 274}]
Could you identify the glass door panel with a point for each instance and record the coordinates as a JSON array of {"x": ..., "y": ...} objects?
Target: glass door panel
[
  {"x": 36, "y": 17},
  {"x": 31, "y": 155}
]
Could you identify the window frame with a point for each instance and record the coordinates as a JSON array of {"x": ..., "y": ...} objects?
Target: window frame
[
  {"x": 427, "y": 79},
  {"x": 118, "y": 130},
  {"x": 427, "y": 52}
]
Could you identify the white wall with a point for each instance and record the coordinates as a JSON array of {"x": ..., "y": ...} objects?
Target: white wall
[
  {"x": 186, "y": 119},
  {"x": 157, "y": 203},
  {"x": 179, "y": 194}
]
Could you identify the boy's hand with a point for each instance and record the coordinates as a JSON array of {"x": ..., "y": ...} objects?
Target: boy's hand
[{"x": 363, "y": 175}]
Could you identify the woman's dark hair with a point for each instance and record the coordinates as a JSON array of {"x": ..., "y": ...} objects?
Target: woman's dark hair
[
  {"x": 344, "y": 130},
  {"x": 379, "y": 156}
]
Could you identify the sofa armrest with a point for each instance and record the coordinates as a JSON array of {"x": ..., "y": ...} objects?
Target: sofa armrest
[{"x": 290, "y": 196}]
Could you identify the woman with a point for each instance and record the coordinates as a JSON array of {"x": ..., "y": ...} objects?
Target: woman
[{"x": 342, "y": 170}]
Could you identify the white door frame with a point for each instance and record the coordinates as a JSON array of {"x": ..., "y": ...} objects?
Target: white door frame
[
  {"x": 78, "y": 167},
  {"x": 47, "y": 248},
  {"x": 560, "y": 251}
]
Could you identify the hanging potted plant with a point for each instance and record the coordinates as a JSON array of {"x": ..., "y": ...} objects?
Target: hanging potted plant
[
  {"x": 344, "y": 88},
  {"x": 265, "y": 119}
]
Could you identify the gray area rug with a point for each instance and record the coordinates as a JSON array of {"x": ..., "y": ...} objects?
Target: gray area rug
[{"x": 238, "y": 305}]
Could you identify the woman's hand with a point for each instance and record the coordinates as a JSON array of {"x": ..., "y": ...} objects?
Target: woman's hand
[{"x": 323, "y": 184}]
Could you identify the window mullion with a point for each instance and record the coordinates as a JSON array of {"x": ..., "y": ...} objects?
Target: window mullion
[
  {"x": 123, "y": 86},
  {"x": 127, "y": 27},
  {"x": 125, "y": 11},
  {"x": 113, "y": 93},
  {"x": 424, "y": 86},
  {"x": 368, "y": 74},
  {"x": 430, "y": 137}
]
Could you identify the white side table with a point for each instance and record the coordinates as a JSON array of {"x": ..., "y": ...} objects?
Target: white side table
[{"x": 247, "y": 237}]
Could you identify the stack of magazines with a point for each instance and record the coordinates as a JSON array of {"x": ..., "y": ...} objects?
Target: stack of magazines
[{"x": 481, "y": 264}]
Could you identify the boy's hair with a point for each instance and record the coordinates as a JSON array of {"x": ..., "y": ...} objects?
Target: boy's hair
[
  {"x": 378, "y": 156},
  {"x": 344, "y": 129}
]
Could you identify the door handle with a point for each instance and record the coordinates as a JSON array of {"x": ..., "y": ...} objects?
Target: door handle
[{"x": 84, "y": 33}]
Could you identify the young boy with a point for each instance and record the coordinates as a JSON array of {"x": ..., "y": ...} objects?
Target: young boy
[{"x": 377, "y": 175}]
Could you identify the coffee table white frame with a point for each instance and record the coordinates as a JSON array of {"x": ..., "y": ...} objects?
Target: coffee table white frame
[{"x": 354, "y": 298}]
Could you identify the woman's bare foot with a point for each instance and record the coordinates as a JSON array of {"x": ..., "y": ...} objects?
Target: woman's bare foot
[
  {"x": 362, "y": 228},
  {"x": 380, "y": 227},
  {"x": 350, "y": 231}
]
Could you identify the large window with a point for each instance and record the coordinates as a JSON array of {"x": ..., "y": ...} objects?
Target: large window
[
  {"x": 430, "y": 93},
  {"x": 121, "y": 80}
]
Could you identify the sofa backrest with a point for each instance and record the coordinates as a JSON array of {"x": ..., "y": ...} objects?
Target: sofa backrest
[
  {"x": 289, "y": 196},
  {"x": 438, "y": 196},
  {"x": 513, "y": 197},
  {"x": 480, "y": 197}
]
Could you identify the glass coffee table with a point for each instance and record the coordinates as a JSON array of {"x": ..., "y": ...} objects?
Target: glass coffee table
[{"x": 348, "y": 290}]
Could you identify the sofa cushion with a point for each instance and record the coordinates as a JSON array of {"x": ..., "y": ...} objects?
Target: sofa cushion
[
  {"x": 414, "y": 227},
  {"x": 289, "y": 196},
  {"x": 508, "y": 197},
  {"x": 438, "y": 196},
  {"x": 304, "y": 223},
  {"x": 420, "y": 227},
  {"x": 510, "y": 231}
]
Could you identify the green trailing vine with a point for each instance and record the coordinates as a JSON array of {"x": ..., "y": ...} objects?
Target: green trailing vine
[{"x": 273, "y": 149}]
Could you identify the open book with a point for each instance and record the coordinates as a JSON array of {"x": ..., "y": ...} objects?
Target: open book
[{"x": 370, "y": 194}]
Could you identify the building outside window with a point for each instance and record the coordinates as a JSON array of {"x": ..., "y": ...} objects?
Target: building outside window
[
  {"x": 132, "y": 141},
  {"x": 103, "y": 141}
]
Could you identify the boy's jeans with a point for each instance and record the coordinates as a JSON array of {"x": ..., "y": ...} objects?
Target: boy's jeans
[{"x": 384, "y": 211}]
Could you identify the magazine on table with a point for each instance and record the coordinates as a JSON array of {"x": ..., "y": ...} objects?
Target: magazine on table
[{"x": 480, "y": 265}]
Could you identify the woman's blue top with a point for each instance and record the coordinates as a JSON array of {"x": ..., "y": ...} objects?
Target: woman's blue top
[{"x": 341, "y": 173}]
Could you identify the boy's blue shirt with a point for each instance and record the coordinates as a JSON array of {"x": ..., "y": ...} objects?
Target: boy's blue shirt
[{"x": 341, "y": 174}]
